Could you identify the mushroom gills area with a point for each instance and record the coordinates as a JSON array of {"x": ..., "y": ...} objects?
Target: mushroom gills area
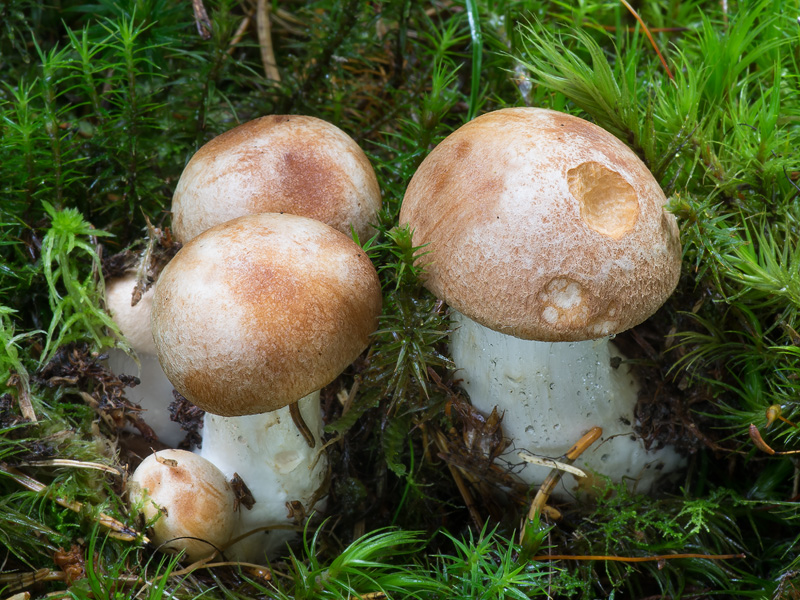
[
  {"x": 550, "y": 394},
  {"x": 276, "y": 464}
]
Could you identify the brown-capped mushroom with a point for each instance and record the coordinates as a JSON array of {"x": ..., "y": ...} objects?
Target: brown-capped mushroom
[
  {"x": 250, "y": 317},
  {"x": 547, "y": 235},
  {"x": 189, "y": 502},
  {"x": 278, "y": 163}
]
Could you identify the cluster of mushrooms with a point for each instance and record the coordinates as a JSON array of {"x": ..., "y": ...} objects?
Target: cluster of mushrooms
[{"x": 545, "y": 235}]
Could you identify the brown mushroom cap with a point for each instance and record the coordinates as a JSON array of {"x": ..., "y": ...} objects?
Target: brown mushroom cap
[
  {"x": 278, "y": 163},
  {"x": 194, "y": 502},
  {"x": 543, "y": 226},
  {"x": 257, "y": 312}
]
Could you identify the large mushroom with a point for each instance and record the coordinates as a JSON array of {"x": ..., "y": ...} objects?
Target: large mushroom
[
  {"x": 278, "y": 163},
  {"x": 249, "y": 318},
  {"x": 547, "y": 236}
]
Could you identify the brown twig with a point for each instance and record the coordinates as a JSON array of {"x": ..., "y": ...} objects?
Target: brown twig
[
  {"x": 552, "y": 479},
  {"x": 636, "y": 558},
  {"x": 649, "y": 37},
  {"x": 201, "y": 19},
  {"x": 67, "y": 462},
  {"x": 238, "y": 34},
  {"x": 11, "y": 582},
  {"x": 455, "y": 472},
  {"x": 23, "y": 396},
  {"x": 265, "y": 41}
]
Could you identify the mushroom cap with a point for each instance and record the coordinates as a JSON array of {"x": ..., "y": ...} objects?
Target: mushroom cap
[
  {"x": 278, "y": 163},
  {"x": 543, "y": 226},
  {"x": 133, "y": 321},
  {"x": 195, "y": 501},
  {"x": 257, "y": 312}
]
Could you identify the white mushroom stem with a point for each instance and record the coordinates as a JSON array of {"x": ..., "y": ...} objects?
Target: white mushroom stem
[
  {"x": 550, "y": 394},
  {"x": 277, "y": 465},
  {"x": 154, "y": 393}
]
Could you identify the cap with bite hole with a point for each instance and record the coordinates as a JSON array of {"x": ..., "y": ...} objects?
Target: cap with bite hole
[{"x": 543, "y": 226}]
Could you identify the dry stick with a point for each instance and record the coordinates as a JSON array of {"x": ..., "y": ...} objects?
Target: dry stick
[
  {"x": 554, "y": 476},
  {"x": 636, "y": 558},
  {"x": 16, "y": 581},
  {"x": 238, "y": 35},
  {"x": 68, "y": 462},
  {"x": 649, "y": 37},
  {"x": 265, "y": 41},
  {"x": 201, "y": 19},
  {"x": 441, "y": 442},
  {"x": 23, "y": 397},
  {"x": 118, "y": 529},
  {"x": 549, "y": 462},
  {"x": 653, "y": 30},
  {"x": 205, "y": 563}
]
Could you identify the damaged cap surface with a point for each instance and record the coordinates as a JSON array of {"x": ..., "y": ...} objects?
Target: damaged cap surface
[
  {"x": 279, "y": 163},
  {"x": 543, "y": 226},
  {"x": 256, "y": 313}
]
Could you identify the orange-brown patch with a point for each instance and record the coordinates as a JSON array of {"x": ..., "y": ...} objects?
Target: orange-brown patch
[{"x": 310, "y": 183}]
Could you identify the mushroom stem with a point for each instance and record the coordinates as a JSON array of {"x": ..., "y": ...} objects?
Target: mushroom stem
[
  {"x": 153, "y": 394},
  {"x": 551, "y": 393},
  {"x": 277, "y": 465}
]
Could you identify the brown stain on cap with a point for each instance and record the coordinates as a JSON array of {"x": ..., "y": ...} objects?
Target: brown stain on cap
[{"x": 278, "y": 163}]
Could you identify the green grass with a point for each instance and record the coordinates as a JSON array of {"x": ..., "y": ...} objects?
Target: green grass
[{"x": 102, "y": 104}]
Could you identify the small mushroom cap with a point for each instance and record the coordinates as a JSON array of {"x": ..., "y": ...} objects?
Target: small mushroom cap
[
  {"x": 278, "y": 163},
  {"x": 194, "y": 502},
  {"x": 133, "y": 321},
  {"x": 543, "y": 226},
  {"x": 257, "y": 312}
]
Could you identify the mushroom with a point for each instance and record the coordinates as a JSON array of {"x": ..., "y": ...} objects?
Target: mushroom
[
  {"x": 154, "y": 391},
  {"x": 188, "y": 501},
  {"x": 278, "y": 163},
  {"x": 547, "y": 236},
  {"x": 250, "y": 317}
]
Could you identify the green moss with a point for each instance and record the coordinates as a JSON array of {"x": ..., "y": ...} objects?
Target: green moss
[{"x": 102, "y": 104}]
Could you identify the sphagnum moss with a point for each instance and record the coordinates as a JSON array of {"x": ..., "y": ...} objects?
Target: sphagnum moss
[{"x": 102, "y": 105}]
